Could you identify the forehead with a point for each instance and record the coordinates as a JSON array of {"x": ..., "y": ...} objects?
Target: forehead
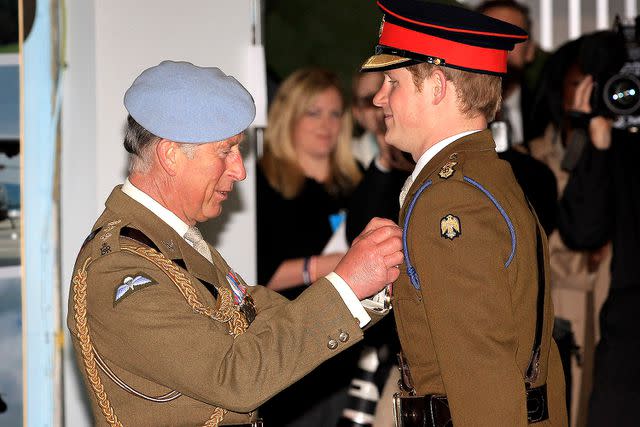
[
  {"x": 398, "y": 73},
  {"x": 329, "y": 95}
]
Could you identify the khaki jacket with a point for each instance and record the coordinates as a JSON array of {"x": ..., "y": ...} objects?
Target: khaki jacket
[
  {"x": 468, "y": 331},
  {"x": 171, "y": 337}
]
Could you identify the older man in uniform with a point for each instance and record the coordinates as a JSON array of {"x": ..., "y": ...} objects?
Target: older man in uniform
[
  {"x": 472, "y": 302},
  {"x": 166, "y": 332}
]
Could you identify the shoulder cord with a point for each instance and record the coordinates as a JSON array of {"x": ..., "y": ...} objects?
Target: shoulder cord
[{"x": 226, "y": 312}]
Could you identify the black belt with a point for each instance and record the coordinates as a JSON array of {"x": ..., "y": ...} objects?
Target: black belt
[{"x": 433, "y": 411}]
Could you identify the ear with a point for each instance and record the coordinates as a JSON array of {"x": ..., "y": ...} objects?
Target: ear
[
  {"x": 439, "y": 88},
  {"x": 167, "y": 153}
]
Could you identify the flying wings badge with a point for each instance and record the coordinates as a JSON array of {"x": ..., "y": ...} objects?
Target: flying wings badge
[{"x": 131, "y": 284}]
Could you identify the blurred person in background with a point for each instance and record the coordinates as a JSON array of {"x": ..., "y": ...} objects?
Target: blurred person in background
[
  {"x": 579, "y": 279},
  {"x": 535, "y": 178},
  {"x": 386, "y": 167},
  {"x": 601, "y": 203},
  {"x": 304, "y": 180}
]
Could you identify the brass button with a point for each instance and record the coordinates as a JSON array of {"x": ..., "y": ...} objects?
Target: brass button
[
  {"x": 332, "y": 344},
  {"x": 344, "y": 337}
]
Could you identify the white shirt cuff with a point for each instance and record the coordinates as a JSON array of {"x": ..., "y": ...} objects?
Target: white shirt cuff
[
  {"x": 379, "y": 165},
  {"x": 349, "y": 298}
]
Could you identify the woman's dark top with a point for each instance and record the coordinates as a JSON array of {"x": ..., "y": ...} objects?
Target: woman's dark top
[{"x": 293, "y": 228}]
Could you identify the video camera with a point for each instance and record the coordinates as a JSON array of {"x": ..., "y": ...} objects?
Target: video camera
[{"x": 617, "y": 94}]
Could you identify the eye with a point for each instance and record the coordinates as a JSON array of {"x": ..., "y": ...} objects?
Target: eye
[{"x": 312, "y": 113}]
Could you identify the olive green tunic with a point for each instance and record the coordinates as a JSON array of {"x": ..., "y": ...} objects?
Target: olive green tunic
[
  {"x": 162, "y": 337},
  {"x": 468, "y": 332}
]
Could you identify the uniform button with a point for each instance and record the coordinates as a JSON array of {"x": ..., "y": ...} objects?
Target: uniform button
[
  {"x": 344, "y": 337},
  {"x": 332, "y": 344}
]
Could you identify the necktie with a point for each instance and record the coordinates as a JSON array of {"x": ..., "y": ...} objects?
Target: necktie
[
  {"x": 194, "y": 236},
  {"x": 405, "y": 189}
]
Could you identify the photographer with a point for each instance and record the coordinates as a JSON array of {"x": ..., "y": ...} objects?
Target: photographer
[{"x": 601, "y": 203}]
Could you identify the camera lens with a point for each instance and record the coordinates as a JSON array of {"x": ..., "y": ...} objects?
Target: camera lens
[{"x": 622, "y": 94}]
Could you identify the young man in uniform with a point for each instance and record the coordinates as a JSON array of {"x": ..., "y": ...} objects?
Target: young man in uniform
[{"x": 472, "y": 302}]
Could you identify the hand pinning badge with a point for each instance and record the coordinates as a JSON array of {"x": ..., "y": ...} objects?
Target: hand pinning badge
[
  {"x": 130, "y": 284},
  {"x": 450, "y": 227}
]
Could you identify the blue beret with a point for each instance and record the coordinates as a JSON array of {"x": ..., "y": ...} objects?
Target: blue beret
[{"x": 182, "y": 102}]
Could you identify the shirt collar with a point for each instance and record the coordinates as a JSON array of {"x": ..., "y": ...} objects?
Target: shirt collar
[
  {"x": 160, "y": 211},
  {"x": 435, "y": 149}
]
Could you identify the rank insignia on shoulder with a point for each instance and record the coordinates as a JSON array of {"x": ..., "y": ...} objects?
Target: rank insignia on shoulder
[
  {"x": 447, "y": 170},
  {"x": 129, "y": 285},
  {"x": 450, "y": 227}
]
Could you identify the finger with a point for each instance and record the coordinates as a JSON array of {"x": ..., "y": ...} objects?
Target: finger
[
  {"x": 582, "y": 96},
  {"x": 384, "y": 233},
  {"x": 393, "y": 274},
  {"x": 394, "y": 259},
  {"x": 389, "y": 247},
  {"x": 377, "y": 223}
]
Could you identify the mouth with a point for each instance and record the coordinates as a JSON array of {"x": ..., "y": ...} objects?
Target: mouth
[{"x": 224, "y": 194}]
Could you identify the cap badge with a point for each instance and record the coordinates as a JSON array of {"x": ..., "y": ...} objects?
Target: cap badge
[
  {"x": 447, "y": 170},
  {"x": 381, "y": 27},
  {"x": 130, "y": 284},
  {"x": 450, "y": 227}
]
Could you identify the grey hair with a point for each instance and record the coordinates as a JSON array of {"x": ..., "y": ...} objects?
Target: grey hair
[{"x": 139, "y": 142}]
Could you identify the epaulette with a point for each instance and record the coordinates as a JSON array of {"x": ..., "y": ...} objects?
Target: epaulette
[{"x": 104, "y": 240}]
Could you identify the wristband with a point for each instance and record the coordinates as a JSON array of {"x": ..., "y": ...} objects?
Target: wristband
[{"x": 306, "y": 277}]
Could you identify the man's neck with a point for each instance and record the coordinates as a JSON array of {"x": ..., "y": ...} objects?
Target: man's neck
[
  {"x": 159, "y": 191},
  {"x": 459, "y": 125}
]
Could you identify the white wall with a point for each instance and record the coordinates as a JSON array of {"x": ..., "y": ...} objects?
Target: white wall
[{"x": 109, "y": 44}]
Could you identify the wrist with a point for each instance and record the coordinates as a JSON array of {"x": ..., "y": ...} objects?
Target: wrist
[{"x": 313, "y": 268}]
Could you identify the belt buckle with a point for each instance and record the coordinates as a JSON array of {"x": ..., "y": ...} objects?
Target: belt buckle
[{"x": 411, "y": 411}]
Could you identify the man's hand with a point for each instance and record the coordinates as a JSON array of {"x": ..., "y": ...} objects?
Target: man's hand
[
  {"x": 599, "y": 127},
  {"x": 372, "y": 261}
]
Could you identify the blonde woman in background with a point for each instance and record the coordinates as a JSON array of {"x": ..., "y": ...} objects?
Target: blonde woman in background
[{"x": 304, "y": 181}]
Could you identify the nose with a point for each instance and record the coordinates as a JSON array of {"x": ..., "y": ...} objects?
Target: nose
[
  {"x": 236, "y": 168},
  {"x": 380, "y": 98}
]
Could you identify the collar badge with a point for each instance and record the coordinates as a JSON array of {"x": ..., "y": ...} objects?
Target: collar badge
[{"x": 447, "y": 170}]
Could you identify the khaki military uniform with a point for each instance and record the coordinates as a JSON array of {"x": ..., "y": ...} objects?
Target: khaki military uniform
[
  {"x": 468, "y": 331},
  {"x": 167, "y": 352}
]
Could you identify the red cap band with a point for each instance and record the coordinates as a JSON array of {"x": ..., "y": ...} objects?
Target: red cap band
[{"x": 454, "y": 53}]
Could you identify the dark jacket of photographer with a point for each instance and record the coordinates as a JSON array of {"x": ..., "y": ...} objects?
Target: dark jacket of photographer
[{"x": 602, "y": 202}]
